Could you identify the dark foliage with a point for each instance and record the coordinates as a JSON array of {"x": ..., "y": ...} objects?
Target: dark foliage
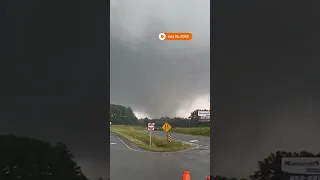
[
  {"x": 270, "y": 167},
  {"x": 32, "y": 159},
  {"x": 124, "y": 115}
]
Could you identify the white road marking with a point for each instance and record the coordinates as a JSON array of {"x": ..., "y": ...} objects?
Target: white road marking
[
  {"x": 197, "y": 136},
  {"x": 113, "y": 143},
  {"x": 206, "y": 147},
  {"x": 188, "y": 135},
  {"x": 136, "y": 150},
  {"x": 193, "y": 141}
]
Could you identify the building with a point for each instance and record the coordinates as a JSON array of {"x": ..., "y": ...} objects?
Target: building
[{"x": 200, "y": 116}]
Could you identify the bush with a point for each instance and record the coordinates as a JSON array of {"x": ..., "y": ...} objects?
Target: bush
[
  {"x": 199, "y": 131},
  {"x": 142, "y": 139},
  {"x": 32, "y": 159},
  {"x": 270, "y": 167}
]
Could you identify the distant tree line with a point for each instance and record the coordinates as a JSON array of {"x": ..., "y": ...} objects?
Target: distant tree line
[
  {"x": 174, "y": 122},
  {"x": 124, "y": 115}
]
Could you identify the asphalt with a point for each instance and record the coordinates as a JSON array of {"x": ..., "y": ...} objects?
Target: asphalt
[
  {"x": 130, "y": 162},
  {"x": 203, "y": 141}
]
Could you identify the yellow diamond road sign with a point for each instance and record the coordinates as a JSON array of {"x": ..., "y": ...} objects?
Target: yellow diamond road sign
[{"x": 166, "y": 127}]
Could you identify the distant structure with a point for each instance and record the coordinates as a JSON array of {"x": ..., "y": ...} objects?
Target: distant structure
[{"x": 200, "y": 116}]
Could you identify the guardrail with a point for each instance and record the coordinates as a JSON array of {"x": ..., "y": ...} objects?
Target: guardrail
[{"x": 186, "y": 176}]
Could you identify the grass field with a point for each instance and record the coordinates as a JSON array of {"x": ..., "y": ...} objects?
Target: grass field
[
  {"x": 199, "y": 131},
  {"x": 159, "y": 144}
]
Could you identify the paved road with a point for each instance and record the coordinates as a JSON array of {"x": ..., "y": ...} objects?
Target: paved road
[
  {"x": 202, "y": 141},
  {"x": 130, "y": 162}
]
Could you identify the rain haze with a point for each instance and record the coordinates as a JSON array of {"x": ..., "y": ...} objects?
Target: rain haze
[
  {"x": 160, "y": 78},
  {"x": 265, "y": 87},
  {"x": 54, "y": 82}
]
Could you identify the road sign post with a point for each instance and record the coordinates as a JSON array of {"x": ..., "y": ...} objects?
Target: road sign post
[
  {"x": 166, "y": 127},
  {"x": 169, "y": 137},
  {"x": 150, "y": 128},
  {"x": 150, "y": 139}
]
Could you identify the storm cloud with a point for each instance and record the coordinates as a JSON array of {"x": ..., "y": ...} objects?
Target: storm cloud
[
  {"x": 159, "y": 77},
  {"x": 265, "y": 71}
]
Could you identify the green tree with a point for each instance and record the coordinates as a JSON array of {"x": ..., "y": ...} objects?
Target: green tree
[
  {"x": 32, "y": 159},
  {"x": 146, "y": 121},
  {"x": 122, "y": 115},
  {"x": 270, "y": 167}
]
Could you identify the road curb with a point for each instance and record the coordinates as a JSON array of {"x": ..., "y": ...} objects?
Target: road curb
[{"x": 196, "y": 146}]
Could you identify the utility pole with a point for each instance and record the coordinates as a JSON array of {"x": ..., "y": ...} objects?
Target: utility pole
[{"x": 190, "y": 118}]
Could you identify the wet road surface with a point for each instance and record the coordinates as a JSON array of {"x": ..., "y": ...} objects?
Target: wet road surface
[{"x": 129, "y": 161}]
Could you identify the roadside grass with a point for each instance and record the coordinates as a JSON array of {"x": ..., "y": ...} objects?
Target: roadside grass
[
  {"x": 199, "y": 131},
  {"x": 141, "y": 139},
  {"x": 134, "y": 127}
]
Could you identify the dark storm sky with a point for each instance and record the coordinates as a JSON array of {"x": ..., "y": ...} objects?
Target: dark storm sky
[
  {"x": 265, "y": 86},
  {"x": 54, "y": 77},
  {"x": 159, "y": 78},
  {"x": 265, "y": 82}
]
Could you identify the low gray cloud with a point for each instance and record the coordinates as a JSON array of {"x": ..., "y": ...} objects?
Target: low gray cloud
[
  {"x": 266, "y": 86},
  {"x": 152, "y": 76}
]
